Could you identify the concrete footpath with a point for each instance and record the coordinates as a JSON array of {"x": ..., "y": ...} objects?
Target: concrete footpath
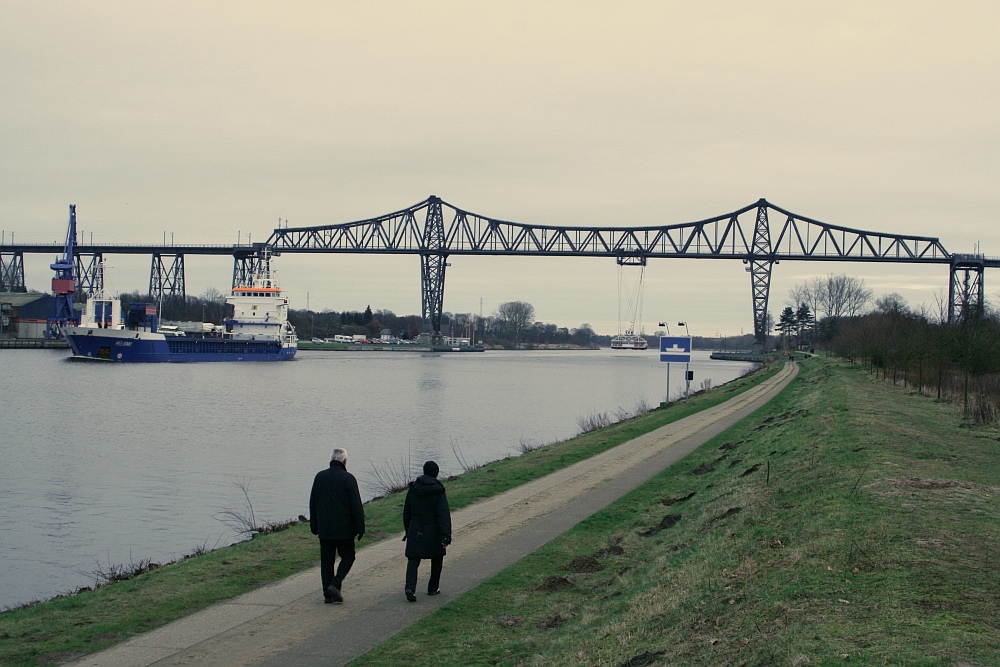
[{"x": 287, "y": 623}]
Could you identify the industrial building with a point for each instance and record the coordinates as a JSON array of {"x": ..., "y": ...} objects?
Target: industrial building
[{"x": 23, "y": 316}]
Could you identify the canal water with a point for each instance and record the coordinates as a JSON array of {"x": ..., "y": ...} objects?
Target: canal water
[{"x": 105, "y": 464}]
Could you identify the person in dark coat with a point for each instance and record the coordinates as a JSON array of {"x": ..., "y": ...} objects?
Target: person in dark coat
[
  {"x": 427, "y": 521},
  {"x": 336, "y": 515}
]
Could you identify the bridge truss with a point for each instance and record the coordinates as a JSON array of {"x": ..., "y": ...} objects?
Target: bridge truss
[
  {"x": 435, "y": 229},
  {"x": 760, "y": 235}
]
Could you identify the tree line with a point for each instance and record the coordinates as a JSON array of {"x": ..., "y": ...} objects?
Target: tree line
[
  {"x": 512, "y": 324},
  {"x": 915, "y": 347}
]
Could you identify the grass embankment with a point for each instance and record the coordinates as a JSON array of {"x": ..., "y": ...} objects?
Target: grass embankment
[
  {"x": 74, "y": 625},
  {"x": 847, "y": 521}
]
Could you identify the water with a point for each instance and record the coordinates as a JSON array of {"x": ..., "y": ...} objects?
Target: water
[{"x": 104, "y": 464}]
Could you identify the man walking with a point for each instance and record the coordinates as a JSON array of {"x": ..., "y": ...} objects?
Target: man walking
[
  {"x": 427, "y": 521},
  {"x": 336, "y": 515}
]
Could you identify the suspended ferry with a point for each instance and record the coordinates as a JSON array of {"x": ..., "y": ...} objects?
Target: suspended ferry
[
  {"x": 258, "y": 330},
  {"x": 631, "y": 297},
  {"x": 628, "y": 341}
]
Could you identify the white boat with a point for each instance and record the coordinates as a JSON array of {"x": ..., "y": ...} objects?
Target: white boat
[{"x": 628, "y": 341}]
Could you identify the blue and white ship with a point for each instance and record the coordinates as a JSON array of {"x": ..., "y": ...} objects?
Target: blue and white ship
[{"x": 259, "y": 330}]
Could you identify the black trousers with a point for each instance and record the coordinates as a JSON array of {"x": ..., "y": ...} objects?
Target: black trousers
[
  {"x": 411, "y": 574},
  {"x": 328, "y": 550}
]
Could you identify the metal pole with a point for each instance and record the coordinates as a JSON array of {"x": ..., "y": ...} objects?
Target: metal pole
[
  {"x": 668, "y": 382},
  {"x": 687, "y": 385}
]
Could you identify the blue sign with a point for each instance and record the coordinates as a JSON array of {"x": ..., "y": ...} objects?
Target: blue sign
[{"x": 675, "y": 349}]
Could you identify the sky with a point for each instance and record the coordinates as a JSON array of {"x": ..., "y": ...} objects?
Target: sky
[{"x": 210, "y": 122}]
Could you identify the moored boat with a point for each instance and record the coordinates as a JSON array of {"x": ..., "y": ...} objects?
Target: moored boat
[{"x": 258, "y": 330}]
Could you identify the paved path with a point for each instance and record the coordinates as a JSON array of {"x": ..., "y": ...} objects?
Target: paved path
[{"x": 287, "y": 623}]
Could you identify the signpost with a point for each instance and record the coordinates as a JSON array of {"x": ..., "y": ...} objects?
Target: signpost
[{"x": 675, "y": 350}]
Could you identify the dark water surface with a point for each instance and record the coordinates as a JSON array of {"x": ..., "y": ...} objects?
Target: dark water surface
[{"x": 109, "y": 464}]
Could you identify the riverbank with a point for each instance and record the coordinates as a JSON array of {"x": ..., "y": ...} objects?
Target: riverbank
[
  {"x": 84, "y": 623},
  {"x": 33, "y": 344},
  {"x": 848, "y": 522}
]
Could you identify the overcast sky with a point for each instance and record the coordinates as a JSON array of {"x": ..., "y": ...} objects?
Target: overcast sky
[{"x": 207, "y": 122}]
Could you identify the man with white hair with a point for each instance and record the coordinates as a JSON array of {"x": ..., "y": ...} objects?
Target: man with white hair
[{"x": 336, "y": 515}]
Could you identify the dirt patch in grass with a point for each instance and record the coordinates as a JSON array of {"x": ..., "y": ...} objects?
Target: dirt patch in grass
[
  {"x": 666, "y": 522},
  {"x": 508, "y": 620},
  {"x": 553, "y": 584},
  {"x": 725, "y": 515},
  {"x": 613, "y": 550},
  {"x": 749, "y": 471},
  {"x": 551, "y": 622},
  {"x": 643, "y": 659},
  {"x": 702, "y": 469},
  {"x": 679, "y": 499},
  {"x": 583, "y": 564}
]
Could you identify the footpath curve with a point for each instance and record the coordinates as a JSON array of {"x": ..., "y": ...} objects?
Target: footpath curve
[{"x": 287, "y": 623}]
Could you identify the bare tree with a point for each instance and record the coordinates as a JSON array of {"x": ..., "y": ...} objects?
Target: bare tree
[
  {"x": 892, "y": 304},
  {"x": 843, "y": 296},
  {"x": 808, "y": 293},
  {"x": 515, "y": 317}
]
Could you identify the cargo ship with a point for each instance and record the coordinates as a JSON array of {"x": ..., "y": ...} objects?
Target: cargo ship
[{"x": 258, "y": 330}]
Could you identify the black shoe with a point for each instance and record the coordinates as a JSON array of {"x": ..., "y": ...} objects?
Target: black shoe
[
  {"x": 436, "y": 591},
  {"x": 410, "y": 596},
  {"x": 332, "y": 594}
]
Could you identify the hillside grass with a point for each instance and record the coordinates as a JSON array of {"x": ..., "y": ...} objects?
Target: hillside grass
[
  {"x": 70, "y": 626},
  {"x": 847, "y": 522}
]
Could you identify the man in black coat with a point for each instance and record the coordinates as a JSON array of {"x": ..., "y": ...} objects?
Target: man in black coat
[
  {"x": 336, "y": 515},
  {"x": 427, "y": 521}
]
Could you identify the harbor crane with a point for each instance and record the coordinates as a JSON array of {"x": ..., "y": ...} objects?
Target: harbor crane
[{"x": 64, "y": 284}]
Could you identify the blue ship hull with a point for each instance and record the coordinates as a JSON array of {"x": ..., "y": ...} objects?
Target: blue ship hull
[{"x": 175, "y": 349}]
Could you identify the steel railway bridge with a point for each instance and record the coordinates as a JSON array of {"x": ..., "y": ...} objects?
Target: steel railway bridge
[{"x": 759, "y": 235}]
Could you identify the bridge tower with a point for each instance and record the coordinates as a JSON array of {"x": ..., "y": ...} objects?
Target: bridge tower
[
  {"x": 12, "y": 272},
  {"x": 89, "y": 273},
  {"x": 760, "y": 260},
  {"x": 433, "y": 261},
  {"x": 167, "y": 281},
  {"x": 966, "y": 289}
]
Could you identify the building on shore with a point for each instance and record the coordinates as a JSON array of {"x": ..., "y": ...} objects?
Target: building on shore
[{"x": 25, "y": 315}]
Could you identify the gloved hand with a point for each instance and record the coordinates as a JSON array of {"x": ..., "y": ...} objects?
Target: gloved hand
[
  {"x": 404, "y": 537},
  {"x": 360, "y": 535},
  {"x": 446, "y": 541}
]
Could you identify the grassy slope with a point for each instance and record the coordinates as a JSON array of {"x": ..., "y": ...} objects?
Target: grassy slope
[
  {"x": 70, "y": 626},
  {"x": 848, "y": 521}
]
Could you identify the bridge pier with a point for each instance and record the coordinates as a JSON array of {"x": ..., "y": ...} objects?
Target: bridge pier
[
  {"x": 12, "y": 272},
  {"x": 90, "y": 274},
  {"x": 760, "y": 260},
  {"x": 966, "y": 290},
  {"x": 433, "y": 263},
  {"x": 247, "y": 264},
  {"x": 167, "y": 281}
]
